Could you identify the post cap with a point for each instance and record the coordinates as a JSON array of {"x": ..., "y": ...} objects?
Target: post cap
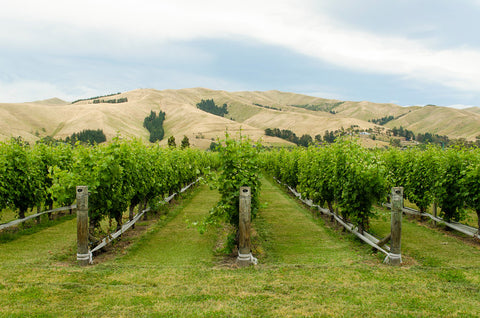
[{"x": 244, "y": 191}]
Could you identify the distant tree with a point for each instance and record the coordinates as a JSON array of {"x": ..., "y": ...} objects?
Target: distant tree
[
  {"x": 394, "y": 142},
  {"x": 185, "y": 143},
  {"x": 428, "y": 137},
  {"x": 420, "y": 137},
  {"x": 329, "y": 136},
  {"x": 409, "y": 135},
  {"x": 171, "y": 142},
  {"x": 305, "y": 140},
  {"x": 318, "y": 138},
  {"x": 213, "y": 146},
  {"x": 395, "y": 131}
]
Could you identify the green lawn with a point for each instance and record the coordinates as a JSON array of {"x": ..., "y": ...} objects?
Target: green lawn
[{"x": 305, "y": 269}]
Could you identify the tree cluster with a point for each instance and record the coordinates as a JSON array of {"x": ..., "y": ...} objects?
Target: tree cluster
[
  {"x": 429, "y": 138},
  {"x": 96, "y": 97},
  {"x": 329, "y": 137},
  {"x": 401, "y": 132},
  {"x": 87, "y": 136},
  {"x": 154, "y": 125},
  {"x": 325, "y": 107},
  {"x": 267, "y": 107},
  {"x": 305, "y": 140},
  {"x": 382, "y": 121},
  {"x": 111, "y": 101},
  {"x": 209, "y": 106}
]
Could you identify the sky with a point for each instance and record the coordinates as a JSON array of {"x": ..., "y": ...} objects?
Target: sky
[{"x": 408, "y": 52}]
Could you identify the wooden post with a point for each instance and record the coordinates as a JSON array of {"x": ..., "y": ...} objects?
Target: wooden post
[
  {"x": 83, "y": 257},
  {"x": 435, "y": 212},
  {"x": 245, "y": 257},
  {"x": 395, "y": 255},
  {"x": 384, "y": 240}
]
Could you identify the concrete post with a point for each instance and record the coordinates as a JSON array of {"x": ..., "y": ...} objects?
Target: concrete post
[
  {"x": 245, "y": 257},
  {"x": 83, "y": 257},
  {"x": 395, "y": 255}
]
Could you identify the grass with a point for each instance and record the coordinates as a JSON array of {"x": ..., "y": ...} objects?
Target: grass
[
  {"x": 29, "y": 228},
  {"x": 297, "y": 236},
  {"x": 177, "y": 244},
  {"x": 43, "y": 245},
  {"x": 306, "y": 269},
  {"x": 429, "y": 246}
]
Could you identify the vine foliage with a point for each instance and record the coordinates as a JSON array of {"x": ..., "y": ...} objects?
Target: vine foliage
[{"x": 239, "y": 166}]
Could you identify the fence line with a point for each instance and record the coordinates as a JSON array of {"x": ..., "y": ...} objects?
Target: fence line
[
  {"x": 19, "y": 221},
  {"x": 365, "y": 236},
  {"x": 110, "y": 237},
  {"x": 462, "y": 228}
]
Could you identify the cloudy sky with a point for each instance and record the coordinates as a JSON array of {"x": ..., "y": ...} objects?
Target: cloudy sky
[{"x": 410, "y": 52}]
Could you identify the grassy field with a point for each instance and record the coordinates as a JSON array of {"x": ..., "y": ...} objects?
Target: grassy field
[{"x": 306, "y": 268}]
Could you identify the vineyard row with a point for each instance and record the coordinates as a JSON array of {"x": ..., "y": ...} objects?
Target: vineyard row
[
  {"x": 119, "y": 176},
  {"x": 124, "y": 174},
  {"x": 351, "y": 178}
]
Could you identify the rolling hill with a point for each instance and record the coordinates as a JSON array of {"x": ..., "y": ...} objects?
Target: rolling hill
[{"x": 250, "y": 112}]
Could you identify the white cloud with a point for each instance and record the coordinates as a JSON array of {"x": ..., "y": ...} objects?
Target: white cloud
[{"x": 140, "y": 27}]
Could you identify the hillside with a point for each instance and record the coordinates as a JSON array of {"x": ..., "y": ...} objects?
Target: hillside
[
  {"x": 473, "y": 109},
  {"x": 455, "y": 123},
  {"x": 51, "y": 101},
  {"x": 250, "y": 112}
]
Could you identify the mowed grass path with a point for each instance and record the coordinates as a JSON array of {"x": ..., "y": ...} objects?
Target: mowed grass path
[
  {"x": 43, "y": 247},
  {"x": 295, "y": 237},
  {"x": 178, "y": 244},
  {"x": 428, "y": 246},
  {"x": 307, "y": 270}
]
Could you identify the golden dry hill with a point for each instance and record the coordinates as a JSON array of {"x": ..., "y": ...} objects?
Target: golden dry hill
[{"x": 250, "y": 112}]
